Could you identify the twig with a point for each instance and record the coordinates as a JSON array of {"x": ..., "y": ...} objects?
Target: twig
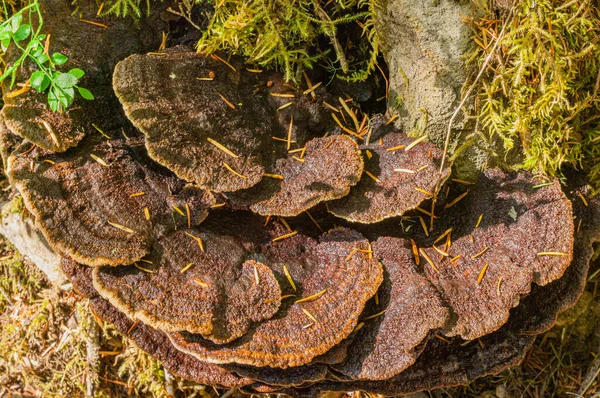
[
  {"x": 185, "y": 14},
  {"x": 331, "y": 33}
]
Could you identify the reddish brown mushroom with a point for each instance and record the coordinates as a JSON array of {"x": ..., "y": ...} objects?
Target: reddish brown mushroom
[
  {"x": 148, "y": 339},
  {"x": 333, "y": 280},
  {"x": 200, "y": 117},
  {"x": 506, "y": 234},
  {"x": 197, "y": 280},
  {"x": 400, "y": 174},
  {"x": 104, "y": 202},
  {"x": 408, "y": 309},
  {"x": 326, "y": 171}
]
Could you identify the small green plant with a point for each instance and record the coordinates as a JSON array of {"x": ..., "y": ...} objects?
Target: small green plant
[{"x": 19, "y": 30}]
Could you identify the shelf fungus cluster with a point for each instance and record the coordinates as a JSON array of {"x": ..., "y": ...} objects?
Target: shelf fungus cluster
[{"x": 256, "y": 235}]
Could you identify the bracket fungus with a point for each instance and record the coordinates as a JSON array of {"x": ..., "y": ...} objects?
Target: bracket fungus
[
  {"x": 400, "y": 174},
  {"x": 148, "y": 339},
  {"x": 199, "y": 115},
  {"x": 92, "y": 47},
  {"x": 389, "y": 342},
  {"x": 326, "y": 170},
  {"x": 104, "y": 202},
  {"x": 224, "y": 297},
  {"x": 508, "y": 235},
  {"x": 335, "y": 277},
  {"x": 212, "y": 286}
]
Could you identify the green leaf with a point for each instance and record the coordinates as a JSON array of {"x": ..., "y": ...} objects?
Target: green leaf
[
  {"x": 65, "y": 96},
  {"x": 65, "y": 80},
  {"x": 42, "y": 58},
  {"x": 36, "y": 50},
  {"x": 16, "y": 22},
  {"x": 85, "y": 93},
  {"x": 5, "y": 43},
  {"x": 22, "y": 33},
  {"x": 53, "y": 102},
  {"x": 58, "y": 58},
  {"x": 39, "y": 81},
  {"x": 78, "y": 73},
  {"x": 36, "y": 80}
]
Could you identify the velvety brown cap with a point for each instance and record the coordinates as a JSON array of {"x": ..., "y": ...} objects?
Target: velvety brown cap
[{"x": 104, "y": 202}]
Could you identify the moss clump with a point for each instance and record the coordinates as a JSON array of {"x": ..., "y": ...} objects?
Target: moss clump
[
  {"x": 541, "y": 92},
  {"x": 292, "y": 36}
]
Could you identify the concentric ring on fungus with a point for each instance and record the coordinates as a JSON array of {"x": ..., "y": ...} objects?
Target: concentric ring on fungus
[
  {"x": 94, "y": 50},
  {"x": 152, "y": 341},
  {"x": 505, "y": 235},
  {"x": 104, "y": 202},
  {"x": 333, "y": 277},
  {"x": 389, "y": 343},
  {"x": 447, "y": 364},
  {"x": 212, "y": 288}
]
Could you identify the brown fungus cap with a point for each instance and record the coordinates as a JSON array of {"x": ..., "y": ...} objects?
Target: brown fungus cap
[
  {"x": 390, "y": 342},
  {"x": 395, "y": 180},
  {"x": 104, "y": 202},
  {"x": 525, "y": 235},
  {"x": 211, "y": 288},
  {"x": 446, "y": 364},
  {"x": 326, "y": 171},
  {"x": 95, "y": 50},
  {"x": 537, "y": 312},
  {"x": 9, "y": 142},
  {"x": 153, "y": 341},
  {"x": 334, "y": 279},
  {"x": 200, "y": 116}
]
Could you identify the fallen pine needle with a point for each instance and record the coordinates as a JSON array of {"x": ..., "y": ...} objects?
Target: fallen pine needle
[
  {"x": 282, "y": 237},
  {"x": 99, "y": 160},
  {"x": 308, "y": 314},
  {"x": 415, "y": 251},
  {"x": 222, "y": 147},
  {"x": 482, "y": 274},
  {"x": 415, "y": 143},
  {"x": 311, "y": 298},
  {"x": 122, "y": 227},
  {"x": 186, "y": 267},
  {"x": 374, "y": 315},
  {"x": 228, "y": 167},
  {"x": 455, "y": 201},
  {"x": 428, "y": 259},
  {"x": 289, "y": 277},
  {"x": 229, "y": 103}
]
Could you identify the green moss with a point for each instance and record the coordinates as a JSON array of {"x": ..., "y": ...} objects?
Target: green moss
[
  {"x": 15, "y": 206},
  {"x": 541, "y": 93},
  {"x": 290, "y": 35}
]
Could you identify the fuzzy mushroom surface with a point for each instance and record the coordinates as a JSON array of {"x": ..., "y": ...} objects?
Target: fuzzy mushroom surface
[
  {"x": 327, "y": 169},
  {"x": 331, "y": 281},
  {"x": 400, "y": 174},
  {"x": 199, "y": 280},
  {"x": 104, "y": 202}
]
